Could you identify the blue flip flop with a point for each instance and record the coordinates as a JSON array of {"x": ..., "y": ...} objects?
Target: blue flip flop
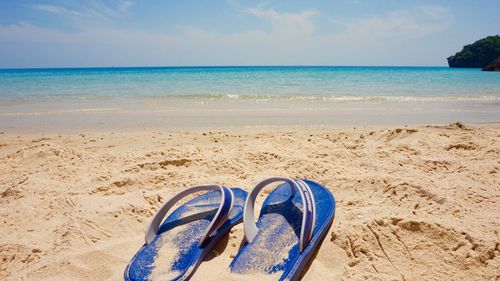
[
  {"x": 294, "y": 219},
  {"x": 175, "y": 246}
]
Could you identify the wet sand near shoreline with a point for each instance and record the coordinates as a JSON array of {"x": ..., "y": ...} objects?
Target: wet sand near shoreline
[{"x": 132, "y": 114}]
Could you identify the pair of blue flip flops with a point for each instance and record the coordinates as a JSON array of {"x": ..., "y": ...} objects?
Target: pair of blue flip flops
[{"x": 293, "y": 221}]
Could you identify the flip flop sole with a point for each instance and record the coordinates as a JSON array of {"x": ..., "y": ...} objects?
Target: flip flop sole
[
  {"x": 174, "y": 253},
  {"x": 275, "y": 249}
]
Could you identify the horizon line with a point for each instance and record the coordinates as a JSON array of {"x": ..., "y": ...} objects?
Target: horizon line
[{"x": 212, "y": 66}]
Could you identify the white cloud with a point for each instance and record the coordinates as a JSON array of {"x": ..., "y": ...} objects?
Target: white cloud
[
  {"x": 436, "y": 12},
  {"x": 125, "y": 5},
  {"x": 57, "y": 10},
  {"x": 286, "y": 22},
  {"x": 398, "y": 24},
  {"x": 292, "y": 39},
  {"x": 90, "y": 9}
]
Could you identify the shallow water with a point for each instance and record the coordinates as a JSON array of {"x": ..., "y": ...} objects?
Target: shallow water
[
  {"x": 250, "y": 82},
  {"x": 249, "y": 96}
]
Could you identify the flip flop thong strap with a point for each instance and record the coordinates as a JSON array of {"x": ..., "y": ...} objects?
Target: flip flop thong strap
[
  {"x": 308, "y": 212},
  {"x": 219, "y": 219}
]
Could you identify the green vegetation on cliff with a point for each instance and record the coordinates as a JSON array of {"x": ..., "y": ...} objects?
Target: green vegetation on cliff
[{"x": 477, "y": 55}]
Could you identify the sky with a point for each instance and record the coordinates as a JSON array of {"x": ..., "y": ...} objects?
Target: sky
[{"x": 94, "y": 33}]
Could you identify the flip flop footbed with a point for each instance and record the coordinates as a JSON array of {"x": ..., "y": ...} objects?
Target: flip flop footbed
[
  {"x": 174, "y": 251},
  {"x": 275, "y": 249}
]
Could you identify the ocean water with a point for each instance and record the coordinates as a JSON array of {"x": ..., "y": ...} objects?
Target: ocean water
[
  {"x": 250, "y": 83},
  {"x": 53, "y": 99}
]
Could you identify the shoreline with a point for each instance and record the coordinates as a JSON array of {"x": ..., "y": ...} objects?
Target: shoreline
[
  {"x": 412, "y": 202},
  {"x": 180, "y": 114}
]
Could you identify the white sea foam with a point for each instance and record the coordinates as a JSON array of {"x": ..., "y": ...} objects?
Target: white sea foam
[{"x": 320, "y": 98}]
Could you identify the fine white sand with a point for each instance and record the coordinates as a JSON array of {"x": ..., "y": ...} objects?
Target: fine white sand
[{"x": 419, "y": 203}]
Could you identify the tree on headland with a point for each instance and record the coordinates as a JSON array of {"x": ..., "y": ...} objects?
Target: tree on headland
[{"x": 477, "y": 55}]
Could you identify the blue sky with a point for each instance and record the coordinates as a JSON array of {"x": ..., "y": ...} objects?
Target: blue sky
[{"x": 71, "y": 33}]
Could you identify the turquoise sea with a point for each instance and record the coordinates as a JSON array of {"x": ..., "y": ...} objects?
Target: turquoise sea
[
  {"x": 294, "y": 82},
  {"x": 176, "y": 97}
]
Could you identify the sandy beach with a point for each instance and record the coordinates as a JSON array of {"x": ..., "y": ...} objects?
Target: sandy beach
[
  {"x": 413, "y": 203},
  {"x": 111, "y": 110}
]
